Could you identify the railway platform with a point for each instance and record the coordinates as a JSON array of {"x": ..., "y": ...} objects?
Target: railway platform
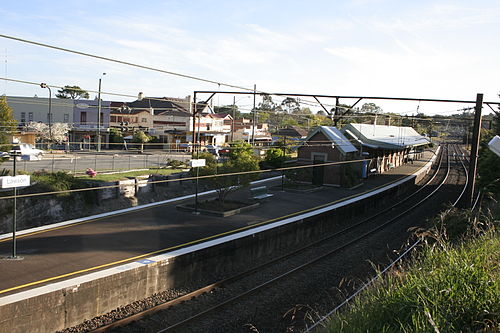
[{"x": 77, "y": 252}]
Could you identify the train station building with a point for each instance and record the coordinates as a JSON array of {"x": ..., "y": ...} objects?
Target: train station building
[
  {"x": 326, "y": 144},
  {"x": 385, "y": 147}
]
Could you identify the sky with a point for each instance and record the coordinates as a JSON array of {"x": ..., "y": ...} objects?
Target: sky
[{"x": 419, "y": 49}]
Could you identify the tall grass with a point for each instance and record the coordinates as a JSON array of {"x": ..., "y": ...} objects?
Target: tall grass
[{"x": 452, "y": 286}]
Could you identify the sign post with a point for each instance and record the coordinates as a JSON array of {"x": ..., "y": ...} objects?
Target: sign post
[
  {"x": 197, "y": 163},
  {"x": 14, "y": 182}
]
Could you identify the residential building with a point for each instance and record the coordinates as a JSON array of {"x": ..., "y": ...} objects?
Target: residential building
[
  {"x": 211, "y": 130},
  {"x": 130, "y": 120},
  {"x": 294, "y": 133},
  {"x": 36, "y": 109},
  {"x": 85, "y": 119},
  {"x": 172, "y": 118},
  {"x": 244, "y": 129}
]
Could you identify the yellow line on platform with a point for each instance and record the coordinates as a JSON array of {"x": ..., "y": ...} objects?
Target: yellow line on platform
[{"x": 90, "y": 269}]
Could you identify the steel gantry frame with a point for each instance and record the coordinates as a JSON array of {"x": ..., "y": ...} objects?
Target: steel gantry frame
[{"x": 336, "y": 115}]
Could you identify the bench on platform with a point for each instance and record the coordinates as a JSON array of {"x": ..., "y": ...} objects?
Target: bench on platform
[{"x": 259, "y": 193}]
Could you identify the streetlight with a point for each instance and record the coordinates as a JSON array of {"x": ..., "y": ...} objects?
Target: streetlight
[
  {"x": 254, "y": 121},
  {"x": 99, "y": 115},
  {"x": 45, "y": 85}
]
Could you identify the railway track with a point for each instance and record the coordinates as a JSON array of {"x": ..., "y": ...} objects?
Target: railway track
[{"x": 274, "y": 271}]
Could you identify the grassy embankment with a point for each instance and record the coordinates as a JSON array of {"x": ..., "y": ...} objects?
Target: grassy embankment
[{"x": 451, "y": 285}]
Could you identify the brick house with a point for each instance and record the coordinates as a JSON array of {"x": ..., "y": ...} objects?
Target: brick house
[{"x": 326, "y": 144}]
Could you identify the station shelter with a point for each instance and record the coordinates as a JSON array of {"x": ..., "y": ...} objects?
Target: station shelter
[
  {"x": 385, "y": 147},
  {"x": 326, "y": 144}
]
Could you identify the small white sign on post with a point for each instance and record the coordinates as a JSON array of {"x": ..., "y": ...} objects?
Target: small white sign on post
[
  {"x": 14, "y": 181},
  {"x": 198, "y": 163}
]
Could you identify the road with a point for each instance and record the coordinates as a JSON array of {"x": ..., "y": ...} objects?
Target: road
[{"x": 104, "y": 161}]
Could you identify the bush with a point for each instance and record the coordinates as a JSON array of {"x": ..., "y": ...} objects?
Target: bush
[
  {"x": 52, "y": 182},
  {"x": 176, "y": 164},
  {"x": 275, "y": 158}
]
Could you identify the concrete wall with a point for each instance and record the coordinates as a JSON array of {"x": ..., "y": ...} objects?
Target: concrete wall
[{"x": 70, "y": 306}]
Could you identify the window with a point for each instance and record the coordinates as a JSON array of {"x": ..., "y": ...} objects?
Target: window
[
  {"x": 66, "y": 117},
  {"x": 23, "y": 117},
  {"x": 144, "y": 120},
  {"x": 30, "y": 116},
  {"x": 83, "y": 117},
  {"x": 113, "y": 119},
  {"x": 102, "y": 118}
]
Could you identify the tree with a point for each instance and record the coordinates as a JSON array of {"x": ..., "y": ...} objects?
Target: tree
[
  {"x": 73, "y": 92},
  {"x": 290, "y": 104},
  {"x": 115, "y": 136},
  {"x": 58, "y": 131},
  {"x": 142, "y": 138},
  {"x": 371, "y": 108},
  {"x": 240, "y": 159},
  {"x": 8, "y": 124},
  {"x": 267, "y": 103}
]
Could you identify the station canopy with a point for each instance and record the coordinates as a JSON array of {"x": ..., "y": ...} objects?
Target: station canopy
[
  {"x": 335, "y": 136},
  {"x": 385, "y": 137}
]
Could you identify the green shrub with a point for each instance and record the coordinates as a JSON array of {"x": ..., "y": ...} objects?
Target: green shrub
[
  {"x": 52, "y": 182},
  {"x": 176, "y": 164},
  {"x": 275, "y": 157}
]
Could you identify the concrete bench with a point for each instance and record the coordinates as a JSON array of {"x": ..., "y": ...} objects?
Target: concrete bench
[{"x": 260, "y": 193}]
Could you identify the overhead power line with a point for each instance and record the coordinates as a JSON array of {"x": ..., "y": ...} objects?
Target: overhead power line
[{"x": 124, "y": 62}]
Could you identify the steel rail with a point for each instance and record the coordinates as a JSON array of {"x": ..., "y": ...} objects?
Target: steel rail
[
  {"x": 380, "y": 274},
  {"x": 203, "y": 290}
]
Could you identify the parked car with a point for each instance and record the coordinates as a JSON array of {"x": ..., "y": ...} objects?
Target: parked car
[
  {"x": 213, "y": 149},
  {"x": 26, "y": 151},
  {"x": 4, "y": 154}
]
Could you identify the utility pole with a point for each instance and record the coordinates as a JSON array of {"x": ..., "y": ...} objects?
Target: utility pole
[
  {"x": 99, "y": 115},
  {"x": 254, "y": 121},
  {"x": 474, "y": 151},
  {"x": 234, "y": 115},
  {"x": 193, "y": 138}
]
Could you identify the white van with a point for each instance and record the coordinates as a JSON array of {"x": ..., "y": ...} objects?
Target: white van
[{"x": 26, "y": 151}]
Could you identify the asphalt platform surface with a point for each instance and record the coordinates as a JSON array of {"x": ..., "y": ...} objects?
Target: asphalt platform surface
[{"x": 59, "y": 253}]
